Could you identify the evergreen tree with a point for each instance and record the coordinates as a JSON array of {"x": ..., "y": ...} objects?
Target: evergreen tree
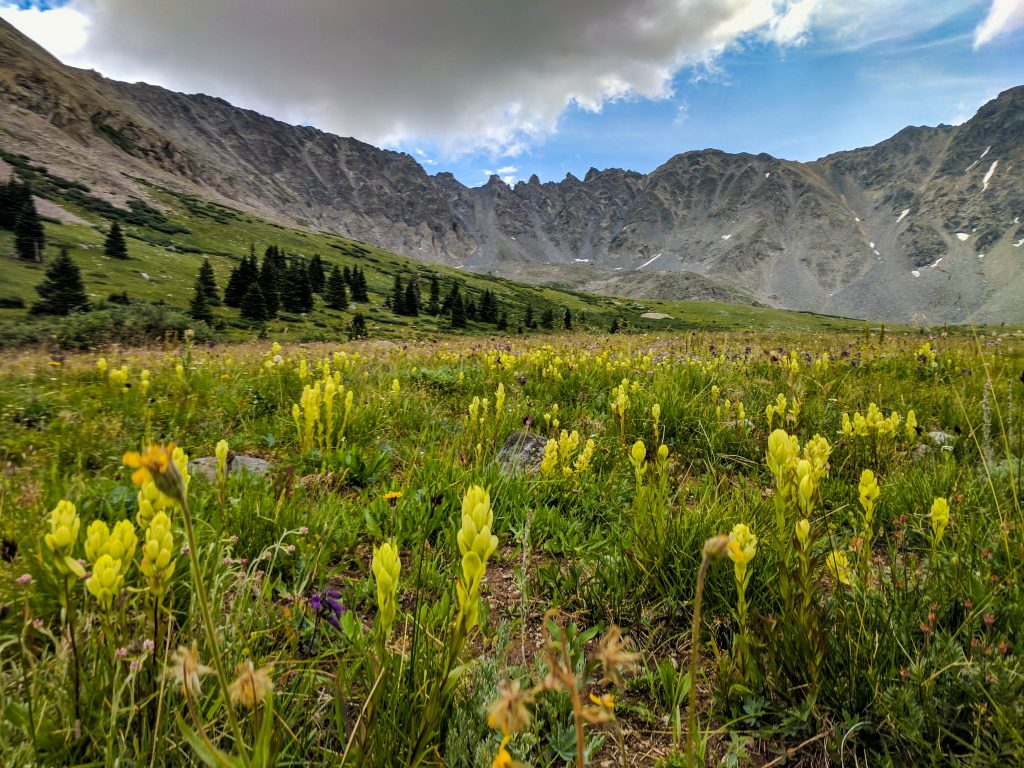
[
  {"x": 528, "y": 320},
  {"x": 254, "y": 306},
  {"x": 398, "y": 297},
  {"x": 199, "y": 308},
  {"x": 347, "y": 274},
  {"x": 269, "y": 283},
  {"x": 61, "y": 291},
  {"x": 615, "y": 326},
  {"x": 357, "y": 328},
  {"x": 458, "y": 310},
  {"x": 503, "y": 322},
  {"x": 299, "y": 291},
  {"x": 412, "y": 299},
  {"x": 567, "y": 320},
  {"x": 471, "y": 313},
  {"x": 29, "y": 238},
  {"x": 317, "y": 279},
  {"x": 114, "y": 246},
  {"x": 336, "y": 294},
  {"x": 547, "y": 319},
  {"x": 360, "y": 292},
  {"x": 14, "y": 196},
  {"x": 434, "y": 307},
  {"x": 208, "y": 280},
  {"x": 242, "y": 277}
]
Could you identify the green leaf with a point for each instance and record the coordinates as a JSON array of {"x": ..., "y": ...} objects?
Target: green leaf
[{"x": 208, "y": 753}]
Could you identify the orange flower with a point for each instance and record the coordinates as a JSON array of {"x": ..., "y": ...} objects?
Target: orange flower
[{"x": 156, "y": 463}]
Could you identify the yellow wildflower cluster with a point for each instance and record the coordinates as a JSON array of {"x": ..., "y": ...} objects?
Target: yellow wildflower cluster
[
  {"x": 874, "y": 425},
  {"x": 476, "y": 544},
  {"x": 940, "y": 519},
  {"x": 742, "y": 548},
  {"x": 150, "y": 499},
  {"x": 797, "y": 475},
  {"x": 838, "y": 566},
  {"x": 927, "y": 356},
  {"x": 323, "y": 412},
  {"x": 782, "y": 410},
  {"x": 273, "y": 358},
  {"x": 386, "y": 568},
  {"x": 110, "y": 553},
  {"x": 118, "y": 377},
  {"x": 558, "y": 456},
  {"x": 158, "y": 561},
  {"x": 64, "y": 526}
]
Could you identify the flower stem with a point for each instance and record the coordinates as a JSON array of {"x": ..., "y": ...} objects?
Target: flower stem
[
  {"x": 204, "y": 608},
  {"x": 691, "y": 726}
]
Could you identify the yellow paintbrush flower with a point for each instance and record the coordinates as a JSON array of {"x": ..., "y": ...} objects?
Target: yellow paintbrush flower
[
  {"x": 64, "y": 526},
  {"x": 157, "y": 463}
]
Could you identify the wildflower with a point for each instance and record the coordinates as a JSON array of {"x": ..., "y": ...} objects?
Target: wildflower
[
  {"x": 477, "y": 544},
  {"x": 106, "y": 581},
  {"x": 25, "y": 579},
  {"x": 391, "y": 497},
  {"x": 503, "y": 759},
  {"x": 251, "y": 686},
  {"x": 868, "y": 494},
  {"x": 157, "y": 559},
  {"x": 742, "y": 547},
  {"x": 803, "y": 530},
  {"x": 221, "y": 452},
  {"x": 119, "y": 544},
  {"x": 185, "y": 670},
  {"x": 838, "y": 565},
  {"x": 940, "y": 519},
  {"x": 325, "y": 605},
  {"x": 101, "y": 365},
  {"x": 716, "y": 547},
  {"x": 613, "y": 656},
  {"x": 395, "y": 386},
  {"x": 508, "y": 713},
  {"x": 157, "y": 463},
  {"x": 64, "y": 526},
  {"x": 386, "y": 567}
]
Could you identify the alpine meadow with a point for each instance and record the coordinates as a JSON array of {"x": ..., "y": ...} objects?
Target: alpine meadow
[{"x": 314, "y": 453}]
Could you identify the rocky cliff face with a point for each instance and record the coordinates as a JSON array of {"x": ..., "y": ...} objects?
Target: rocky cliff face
[{"x": 926, "y": 223}]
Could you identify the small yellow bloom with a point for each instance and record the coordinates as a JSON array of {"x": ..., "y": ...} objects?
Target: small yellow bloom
[
  {"x": 158, "y": 555},
  {"x": 106, "y": 581},
  {"x": 606, "y": 700},
  {"x": 251, "y": 686},
  {"x": 221, "y": 452},
  {"x": 392, "y": 496},
  {"x": 803, "y": 530},
  {"x": 838, "y": 565},
  {"x": 742, "y": 545},
  {"x": 64, "y": 526},
  {"x": 940, "y": 518},
  {"x": 156, "y": 463}
]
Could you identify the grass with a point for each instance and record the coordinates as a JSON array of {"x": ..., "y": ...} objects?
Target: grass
[{"x": 908, "y": 655}]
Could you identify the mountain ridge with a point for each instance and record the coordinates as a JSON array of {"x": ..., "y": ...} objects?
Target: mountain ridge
[{"x": 828, "y": 235}]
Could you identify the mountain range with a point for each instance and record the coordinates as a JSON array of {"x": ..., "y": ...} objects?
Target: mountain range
[{"x": 924, "y": 226}]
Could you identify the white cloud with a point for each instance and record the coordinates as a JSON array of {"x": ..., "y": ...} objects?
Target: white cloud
[
  {"x": 1004, "y": 16},
  {"x": 61, "y": 31},
  {"x": 457, "y": 75}
]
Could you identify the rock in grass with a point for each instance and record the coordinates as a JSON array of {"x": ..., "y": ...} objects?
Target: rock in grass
[
  {"x": 206, "y": 467},
  {"x": 522, "y": 452}
]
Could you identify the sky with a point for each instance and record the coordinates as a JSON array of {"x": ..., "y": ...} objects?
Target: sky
[{"x": 550, "y": 87}]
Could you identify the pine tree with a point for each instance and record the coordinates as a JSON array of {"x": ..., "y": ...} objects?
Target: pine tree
[
  {"x": 336, "y": 293},
  {"x": 567, "y": 320},
  {"x": 297, "y": 296},
  {"x": 61, "y": 291},
  {"x": 528, "y": 320},
  {"x": 208, "y": 280},
  {"x": 242, "y": 277},
  {"x": 547, "y": 319},
  {"x": 412, "y": 299},
  {"x": 398, "y": 297},
  {"x": 458, "y": 310},
  {"x": 471, "y": 313},
  {"x": 29, "y": 238},
  {"x": 199, "y": 308},
  {"x": 13, "y": 197},
  {"x": 317, "y": 279},
  {"x": 114, "y": 246},
  {"x": 503, "y": 322},
  {"x": 615, "y": 326},
  {"x": 434, "y": 307},
  {"x": 357, "y": 328},
  {"x": 269, "y": 283},
  {"x": 254, "y": 306},
  {"x": 347, "y": 274},
  {"x": 360, "y": 292}
]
